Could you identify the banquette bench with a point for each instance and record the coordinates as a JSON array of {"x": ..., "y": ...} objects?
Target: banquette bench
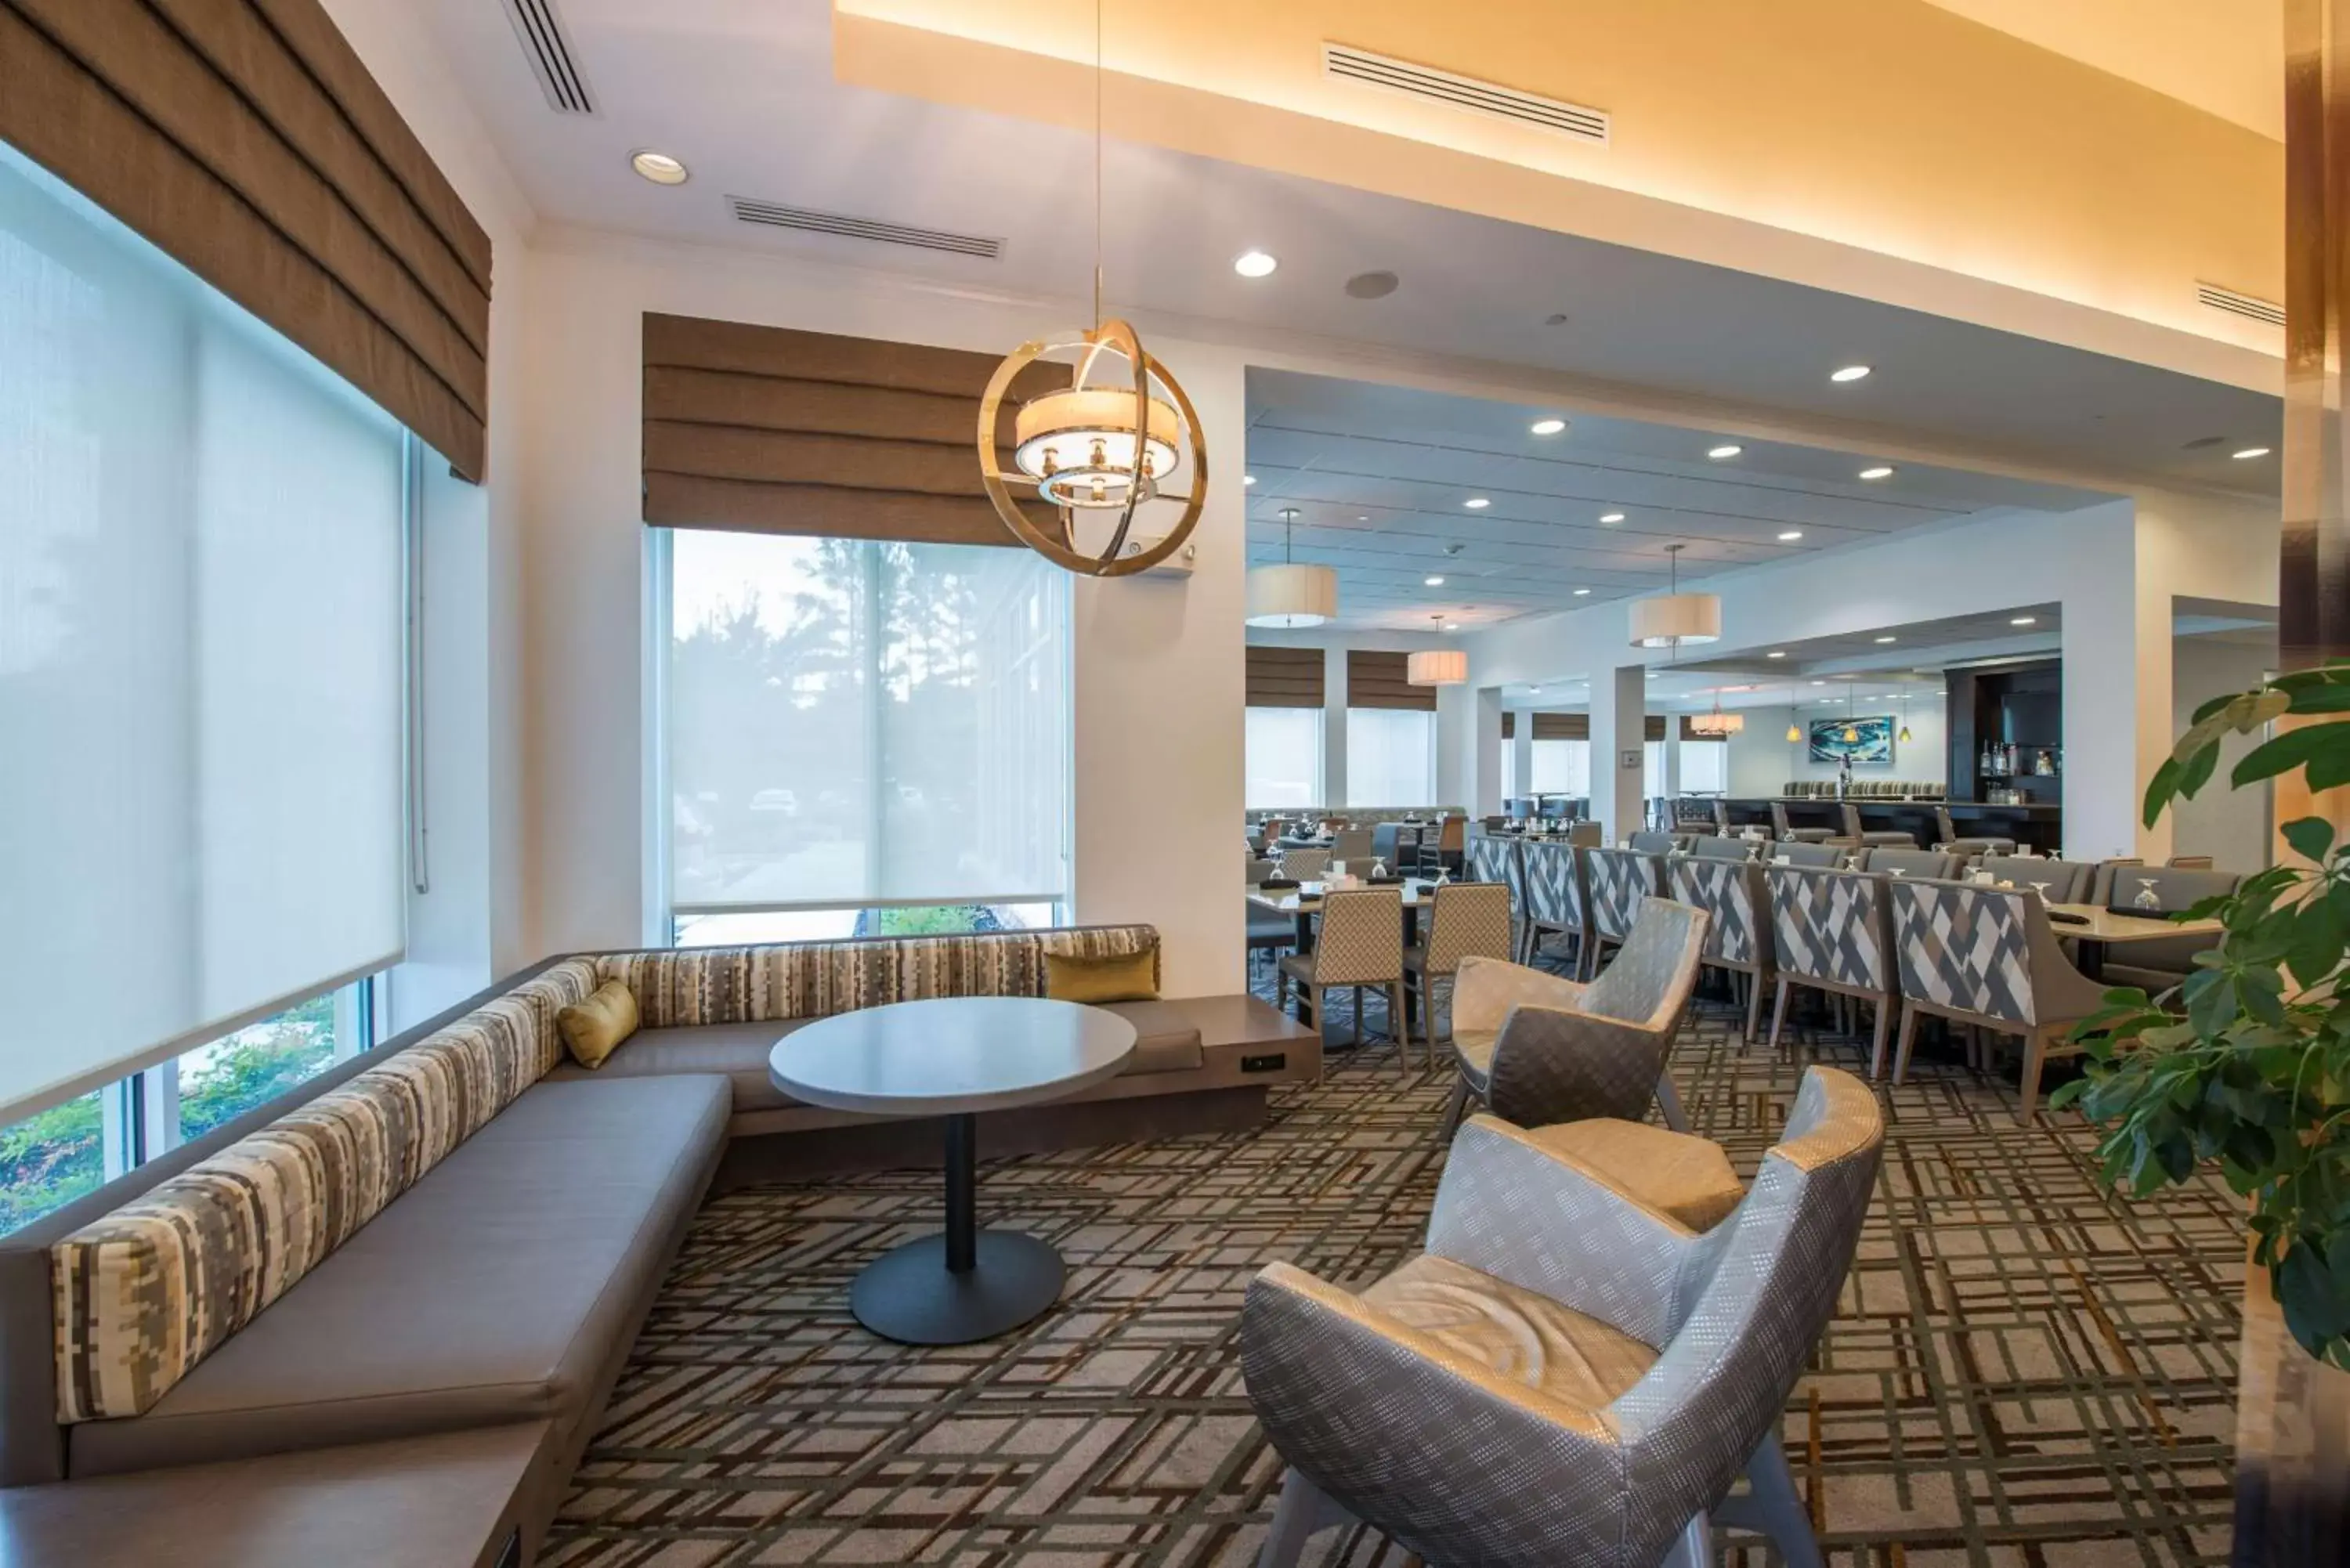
[{"x": 377, "y": 1321}]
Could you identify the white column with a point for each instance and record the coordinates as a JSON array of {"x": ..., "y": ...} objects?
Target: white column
[
  {"x": 1487, "y": 740},
  {"x": 1618, "y": 736},
  {"x": 1672, "y": 786},
  {"x": 1522, "y": 756},
  {"x": 1456, "y": 745},
  {"x": 1333, "y": 729},
  {"x": 2117, "y": 666}
]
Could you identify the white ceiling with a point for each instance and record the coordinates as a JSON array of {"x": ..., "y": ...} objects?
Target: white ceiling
[
  {"x": 1378, "y": 475},
  {"x": 743, "y": 91}
]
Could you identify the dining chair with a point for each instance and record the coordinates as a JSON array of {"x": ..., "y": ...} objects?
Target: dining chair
[
  {"x": 1386, "y": 844},
  {"x": 1833, "y": 931},
  {"x": 1987, "y": 957},
  {"x": 1786, "y": 832},
  {"x": 1719, "y": 846},
  {"x": 1567, "y": 1375},
  {"x": 2190, "y": 862},
  {"x": 2101, "y": 880},
  {"x": 1259, "y": 869},
  {"x": 2056, "y": 881},
  {"x": 1555, "y": 896},
  {"x": 1649, "y": 843},
  {"x": 1799, "y": 852},
  {"x": 1968, "y": 845},
  {"x": 1465, "y": 919},
  {"x": 1737, "y": 926},
  {"x": 1353, "y": 844},
  {"x": 2156, "y": 966},
  {"x": 1450, "y": 841},
  {"x": 1893, "y": 861},
  {"x": 1306, "y": 864},
  {"x": 1360, "y": 944},
  {"x": 1614, "y": 881},
  {"x": 1501, "y": 860}
]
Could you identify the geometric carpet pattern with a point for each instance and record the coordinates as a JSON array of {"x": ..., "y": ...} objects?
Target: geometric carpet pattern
[{"x": 2024, "y": 1369}]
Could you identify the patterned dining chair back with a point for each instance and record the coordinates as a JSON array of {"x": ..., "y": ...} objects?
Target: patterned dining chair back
[
  {"x": 1553, "y": 886},
  {"x": 1831, "y": 925},
  {"x": 1614, "y": 881},
  {"x": 1470, "y": 919},
  {"x": 1362, "y": 938},
  {"x": 1495, "y": 859},
  {"x": 1730, "y": 894},
  {"x": 1352, "y": 844},
  {"x": 1650, "y": 978},
  {"x": 1965, "y": 948},
  {"x": 1306, "y": 864}
]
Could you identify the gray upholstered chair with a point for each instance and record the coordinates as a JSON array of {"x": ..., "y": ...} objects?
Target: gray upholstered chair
[
  {"x": 1554, "y": 900},
  {"x": 1833, "y": 931},
  {"x": 1738, "y": 919},
  {"x": 1805, "y": 852},
  {"x": 1890, "y": 838},
  {"x": 1259, "y": 869},
  {"x": 2066, "y": 881},
  {"x": 1781, "y": 830},
  {"x": 1566, "y": 1376},
  {"x": 1655, "y": 843},
  {"x": 1360, "y": 944},
  {"x": 1968, "y": 847},
  {"x": 1614, "y": 881},
  {"x": 1352, "y": 844},
  {"x": 1536, "y": 1048},
  {"x": 2190, "y": 862},
  {"x": 2101, "y": 880},
  {"x": 1718, "y": 847},
  {"x": 1464, "y": 921},
  {"x": 1987, "y": 957},
  {"x": 2155, "y": 966},
  {"x": 1387, "y": 844},
  {"x": 1306, "y": 864},
  {"x": 1895, "y": 861}
]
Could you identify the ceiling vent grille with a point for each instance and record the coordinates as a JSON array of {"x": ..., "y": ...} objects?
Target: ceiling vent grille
[
  {"x": 1428, "y": 83},
  {"x": 546, "y": 43},
  {"x": 2235, "y": 304},
  {"x": 775, "y": 215}
]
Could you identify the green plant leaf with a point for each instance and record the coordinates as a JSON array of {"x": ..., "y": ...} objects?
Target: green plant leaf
[
  {"x": 2282, "y": 753},
  {"x": 2312, "y": 838}
]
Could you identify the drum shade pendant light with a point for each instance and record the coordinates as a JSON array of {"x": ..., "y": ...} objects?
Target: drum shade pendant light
[
  {"x": 1674, "y": 617},
  {"x": 1437, "y": 666},
  {"x": 1096, "y": 447},
  {"x": 1290, "y": 595},
  {"x": 1717, "y": 723}
]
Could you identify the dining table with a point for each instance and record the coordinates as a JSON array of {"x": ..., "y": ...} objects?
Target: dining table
[
  {"x": 1303, "y": 903},
  {"x": 2096, "y": 928}
]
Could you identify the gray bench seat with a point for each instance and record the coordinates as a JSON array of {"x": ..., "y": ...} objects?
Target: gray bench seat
[
  {"x": 503, "y": 1287},
  {"x": 1167, "y": 1041}
]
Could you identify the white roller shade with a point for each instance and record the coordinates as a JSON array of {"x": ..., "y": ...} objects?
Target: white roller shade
[{"x": 201, "y": 783}]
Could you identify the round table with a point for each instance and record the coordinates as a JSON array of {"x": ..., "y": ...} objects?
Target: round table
[{"x": 954, "y": 1058}]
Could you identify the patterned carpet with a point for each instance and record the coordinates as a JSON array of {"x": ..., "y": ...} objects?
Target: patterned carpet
[{"x": 2024, "y": 1370}]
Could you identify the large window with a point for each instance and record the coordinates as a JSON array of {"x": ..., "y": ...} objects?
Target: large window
[
  {"x": 1391, "y": 757},
  {"x": 861, "y": 726},
  {"x": 201, "y": 661},
  {"x": 1284, "y": 767},
  {"x": 1705, "y": 767},
  {"x": 1562, "y": 768}
]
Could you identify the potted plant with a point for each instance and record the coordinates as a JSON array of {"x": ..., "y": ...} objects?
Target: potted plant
[{"x": 2249, "y": 1065}]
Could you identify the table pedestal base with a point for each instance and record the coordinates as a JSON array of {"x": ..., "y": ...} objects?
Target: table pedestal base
[{"x": 964, "y": 1284}]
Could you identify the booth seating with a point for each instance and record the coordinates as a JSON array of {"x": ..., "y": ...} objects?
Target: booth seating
[{"x": 412, "y": 1284}]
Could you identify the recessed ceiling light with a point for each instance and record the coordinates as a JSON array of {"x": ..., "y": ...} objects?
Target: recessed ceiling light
[
  {"x": 1248, "y": 479},
  {"x": 1819, "y": 683},
  {"x": 1254, "y": 264},
  {"x": 1850, "y": 373},
  {"x": 1548, "y": 427},
  {"x": 2252, "y": 451},
  {"x": 1476, "y": 503},
  {"x": 1362, "y": 517},
  {"x": 1790, "y": 535},
  {"x": 1776, "y": 653},
  {"x": 1582, "y": 593},
  {"x": 2024, "y": 621},
  {"x": 1436, "y": 582},
  {"x": 1880, "y": 472},
  {"x": 1887, "y": 640},
  {"x": 1611, "y": 517},
  {"x": 658, "y": 167},
  {"x": 1452, "y": 625},
  {"x": 1725, "y": 450}
]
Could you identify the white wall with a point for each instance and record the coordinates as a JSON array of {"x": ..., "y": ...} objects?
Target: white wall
[
  {"x": 2232, "y": 827},
  {"x": 1761, "y": 760},
  {"x": 1157, "y": 689}
]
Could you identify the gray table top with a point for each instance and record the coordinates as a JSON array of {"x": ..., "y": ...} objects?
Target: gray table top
[{"x": 950, "y": 1055}]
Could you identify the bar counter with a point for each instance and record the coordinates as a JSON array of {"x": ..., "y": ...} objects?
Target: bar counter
[{"x": 2040, "y": 827}]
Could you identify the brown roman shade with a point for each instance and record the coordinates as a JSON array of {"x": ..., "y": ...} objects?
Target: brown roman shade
[
  {"x": 245, "y": 139},
  {"x": 1380, "y": 681},
  {"x": 1562, "y": 726},
  {"x": 1655, "y": 728},
  {"x": 769, "y": 430},
  {"x": 1285, "y": 677}
]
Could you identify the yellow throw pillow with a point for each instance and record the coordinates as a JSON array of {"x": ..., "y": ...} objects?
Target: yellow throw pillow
[
  {"x": 1133, "y": 977},
  {"x": 593, "y": 1029}
]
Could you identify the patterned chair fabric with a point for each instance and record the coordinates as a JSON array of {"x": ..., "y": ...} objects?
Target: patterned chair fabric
[
  {"x": 1830, "y": 925},
  {"x": 1362, "y": 939},
  {"x": 1468, "y": 918},
  {"x": 1615, "y": 881},
  {"x": 145, "y": 1293},
  {"x": 1495, "y": 859},
  {"x": 1658, "y": 1367},
  {"x": 1965, "y": 948},
  {"x": 1554, "y": 887},
  {"x": 1731, "y": 896},
  {"x": 1306, "y": 864},
  {"x": 682, "y": 987}
]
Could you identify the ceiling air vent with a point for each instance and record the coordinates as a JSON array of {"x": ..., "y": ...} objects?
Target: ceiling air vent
[
  {"x": 775, "y": 215},
  {"x": 546, "y": 43},
  {"x": 2235, "y": 304},
  {"x": 1464, "y": 92}
]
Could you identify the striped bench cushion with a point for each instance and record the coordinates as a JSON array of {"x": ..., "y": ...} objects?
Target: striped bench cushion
[
  {"x": 680, "y": 988},
  {"x": 146, "y": 1293}
]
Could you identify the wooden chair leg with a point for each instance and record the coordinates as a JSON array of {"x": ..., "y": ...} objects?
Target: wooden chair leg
[
  {"x": 2035, "y": 1056},
  {"x": 1901, "y": 1049},
  {"x": 1876, "y": 1041},
  {"x": 1778, "y": 1013}
]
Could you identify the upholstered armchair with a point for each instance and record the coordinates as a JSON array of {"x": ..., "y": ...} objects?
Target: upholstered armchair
[
  {"x": 1537, "y": 1049},
  {"x": 1565, "y": 1376}
]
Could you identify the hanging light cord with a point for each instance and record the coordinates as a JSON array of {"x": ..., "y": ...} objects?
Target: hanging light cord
[{"x": 1098, "y": 160}]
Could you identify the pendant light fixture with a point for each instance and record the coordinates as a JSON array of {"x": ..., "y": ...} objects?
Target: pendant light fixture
[
  {"x": 1290, "y": 595},
  {"x": 1093, "y": 447},
  {"x": 1903, "y": 738},
  {"x": 1851, "y": 729},
  {"x": 1717, "y": 723},
  {"x": 1674, "y": 617},
  {"x": 1437, "y": 666}
]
